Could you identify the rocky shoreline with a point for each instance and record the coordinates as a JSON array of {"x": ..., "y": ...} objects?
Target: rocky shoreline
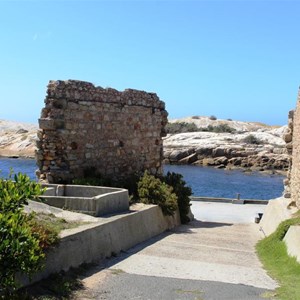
[
  {"x": 17, "y": 139},
  {"x": 257, "y": 148},
  {"x": 219, "y": 150}
]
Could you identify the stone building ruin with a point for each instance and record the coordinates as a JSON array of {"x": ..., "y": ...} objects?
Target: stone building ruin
[
  {"x": 113, "y": 133},
  {"x": 292, "y": 138}
]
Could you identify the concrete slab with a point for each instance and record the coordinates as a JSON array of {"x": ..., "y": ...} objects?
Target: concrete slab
[{"x": 226, "y": 212}]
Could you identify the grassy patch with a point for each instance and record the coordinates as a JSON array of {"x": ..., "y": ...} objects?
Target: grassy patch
[
  {"x": 56, "y": 224},
  {"x": 283, "y": 268},
  {"x": 48, "y": 227}
]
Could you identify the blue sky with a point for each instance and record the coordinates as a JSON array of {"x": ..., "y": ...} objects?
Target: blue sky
[{"x": 232, "y": 59}]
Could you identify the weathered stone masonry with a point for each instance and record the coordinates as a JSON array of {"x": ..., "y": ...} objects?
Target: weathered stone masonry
[
  {"x": 295, "y": 165},
  {"x": 292, "y": 138},
  {"x": 84, "y": 127}
]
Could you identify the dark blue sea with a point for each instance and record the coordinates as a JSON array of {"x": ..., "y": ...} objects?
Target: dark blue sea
[{"x": 204, "y": 181}]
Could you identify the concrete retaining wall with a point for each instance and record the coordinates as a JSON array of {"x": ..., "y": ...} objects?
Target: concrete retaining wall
[
  {"x": 276, "y": 212},
  {"x": 93, "y": 242},
  {"x": 292, "y": 241}
]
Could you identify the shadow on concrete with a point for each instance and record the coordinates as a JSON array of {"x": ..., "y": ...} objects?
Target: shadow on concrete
[
  {"x": 183, "y": 229},
  {"x": 198, "y": 224}
]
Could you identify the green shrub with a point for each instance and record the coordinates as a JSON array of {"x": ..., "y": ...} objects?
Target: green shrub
[
  {"x": 218, "y": 129},
  {"x": 46, "y": 234},
  {"x": 181, "y": 127},
  {"x": 213, "y": 118},
  {"x": 20, "y": 250},
  {"x": 182, "y": 192},
  {"x": 251, "y": 139},
  {"x": 152, "y": 190}
]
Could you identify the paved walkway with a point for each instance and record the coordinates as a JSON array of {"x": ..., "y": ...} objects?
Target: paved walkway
[{"x": 202, "y": 260}]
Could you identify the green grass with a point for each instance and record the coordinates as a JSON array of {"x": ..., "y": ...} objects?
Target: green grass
[
  {"x": 56, "y": 224},
  {"x": 283, "y": 268}
]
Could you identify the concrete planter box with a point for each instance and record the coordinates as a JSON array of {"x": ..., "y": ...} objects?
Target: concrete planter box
[{"x": 95, "y": 201}]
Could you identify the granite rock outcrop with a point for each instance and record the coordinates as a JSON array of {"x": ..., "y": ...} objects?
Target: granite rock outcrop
[
  {"x": 264, "y": 151},
  {"x": 17, "y": 139}
]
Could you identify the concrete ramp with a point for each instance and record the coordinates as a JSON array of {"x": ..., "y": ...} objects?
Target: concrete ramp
[{"x": 203, "y": 251}]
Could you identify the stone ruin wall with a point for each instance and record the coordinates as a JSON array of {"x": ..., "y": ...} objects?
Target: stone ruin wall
[
  {"x": 292, "y": 183},
  {"x": 83, "y": 127},
  {"x": 288, "y": 137}
]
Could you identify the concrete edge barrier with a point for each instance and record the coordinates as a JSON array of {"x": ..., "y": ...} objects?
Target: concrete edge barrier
[
  {"x": 112, "y": 202},
  {"x": 292, "y": 241},
  {"x": 93, "y": 242},
  {"x": 229, "y": 200},
  {"x": 276, "y": 212}
]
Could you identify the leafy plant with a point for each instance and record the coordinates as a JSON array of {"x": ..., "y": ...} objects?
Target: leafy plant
[
  {"x": 152, "y": 190},
  {"x": 182, "y": 192},
  {"x": 20, "y": 250}
]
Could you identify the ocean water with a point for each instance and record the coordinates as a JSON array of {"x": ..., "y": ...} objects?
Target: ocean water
[
  {"x": 204, "y": 181},
  {"x": 27, "y": 166},
  {"x": 211, "y": 182}
]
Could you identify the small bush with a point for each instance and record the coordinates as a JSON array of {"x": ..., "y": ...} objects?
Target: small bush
[
  {"x": 46, "y": 234},
  {"x": 20, "y": 250},
  {"x": 181, "y": 127},
  {"x": 182, "y": 192},
  {"x": 149, "y": 189},
  {"x": 251, "y": 139},
  {"x": 213, "y": 118},
  {"x": 219, "y": 128},
  {"x": 152, "y": 190}
]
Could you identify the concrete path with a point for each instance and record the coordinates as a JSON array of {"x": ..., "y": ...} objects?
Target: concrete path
[{"x": 202, "y": 260}]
